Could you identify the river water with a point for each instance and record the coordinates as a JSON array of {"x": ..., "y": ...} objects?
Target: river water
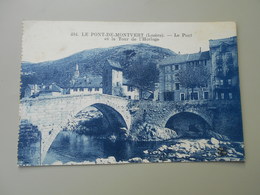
[
  {"x": 73, "y": 148},
  {"x": 70, "y": 146}
]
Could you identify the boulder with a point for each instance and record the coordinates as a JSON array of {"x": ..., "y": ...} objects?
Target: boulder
[
  {"x": 109, "y": 160},
  {"x": 136, "y": 160},
  {"x": 214, "y": 141}
]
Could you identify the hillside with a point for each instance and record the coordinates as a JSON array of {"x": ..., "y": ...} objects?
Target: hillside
[{"x": 92, "y": 62}]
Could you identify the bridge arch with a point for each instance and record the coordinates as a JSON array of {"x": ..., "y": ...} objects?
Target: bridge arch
[
  {"x": 188, "y": 124},
  {"x": 52, "y": 114},
  {"x": 113, "y": 117},
  {"x": 115, "y": 125}
]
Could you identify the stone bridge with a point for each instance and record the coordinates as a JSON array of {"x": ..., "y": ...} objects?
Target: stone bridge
[{"x": 52, "y": 114}]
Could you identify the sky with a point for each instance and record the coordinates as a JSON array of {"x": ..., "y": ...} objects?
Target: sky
[{"x": 52, "y": 40}]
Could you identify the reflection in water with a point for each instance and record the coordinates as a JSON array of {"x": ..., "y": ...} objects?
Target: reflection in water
[{"x": 71, "y": 146}]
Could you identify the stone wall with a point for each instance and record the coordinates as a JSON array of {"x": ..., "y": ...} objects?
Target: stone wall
[
  {"x": 29, "y": 144},
  {"x": 222, "y": 117}
]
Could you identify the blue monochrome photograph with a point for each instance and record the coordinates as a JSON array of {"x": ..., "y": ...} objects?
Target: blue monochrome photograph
[{"x": 129, "y": 92}]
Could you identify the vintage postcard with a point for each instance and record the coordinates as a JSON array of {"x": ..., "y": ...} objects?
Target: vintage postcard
[{"x": 125, "y": 92}]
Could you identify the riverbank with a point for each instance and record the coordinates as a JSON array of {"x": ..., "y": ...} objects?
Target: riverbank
[{"x": 183, "y": 150}]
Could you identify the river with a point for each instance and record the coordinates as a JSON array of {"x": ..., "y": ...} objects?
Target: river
[
  {"x": 70, "y": 146},
  {"x": 73, "y": 148}
]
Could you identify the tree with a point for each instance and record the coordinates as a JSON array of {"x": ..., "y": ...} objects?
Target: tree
[
  {"x": 142, "y": 73},
  {"x": 193, "y": 76}
]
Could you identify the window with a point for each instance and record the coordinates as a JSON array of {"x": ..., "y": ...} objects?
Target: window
[
  {"x": 182, "y": 96},
  {"x": 216, "y": 96},
  {"x": 177, "y": 86},
  {"x": 194, "y": 96},
  {"x": 229, "y": 81},
  {"x": 129, "y": 97},
  {"x": 96, "y": 89},
  {"x": 75, "y": 89},
  {"x": 221, "y": 82},
  {"x": 176, "y": 67},
  {"x": 229, "y": 58},
  {"x": 167, "y": 68},
  {"x": 219, "y": 60},
  {"x": 168, "y": 87},
  {"x": 90, "y": 89},
  {"x": 222, "y": 96},
  {"x": 230, "y": 96},
  {"x": 206, "y": 95},
  {"x": 117, "y": 84},
  {"x": 168, "y": 78},
  {"x": 81, "y": 89},
  {"x": 129, "y": 88}
]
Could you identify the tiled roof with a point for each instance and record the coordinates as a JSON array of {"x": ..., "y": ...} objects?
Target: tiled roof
[
  {"x": 217, "y": 42},
  {"x": 88, "y": 82},
  {"x": 185, "y": 58}
]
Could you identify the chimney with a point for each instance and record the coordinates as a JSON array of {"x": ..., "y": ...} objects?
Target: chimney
[{"x": 200, "y": 50}]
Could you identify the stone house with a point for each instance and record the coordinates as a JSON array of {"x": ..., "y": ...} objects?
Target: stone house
[
  {"x": 51, "y": 90},
  {"x": 86, "y": 85},
  {"x": 221, "y": 64},
  {"x": 224, "y": 62},
  {"x": 115, "y": 84},
  {"x": 32, "y": 90}
]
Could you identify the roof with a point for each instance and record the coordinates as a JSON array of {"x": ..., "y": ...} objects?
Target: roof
[
  {"x": 126, "y": 81},
  {"x": 217, "y": 42},
  {"x": 186, "y": 58},
  {"x": 114, "y": 64},
  {"x": 88, "y": 82},
  {"x": 52, "y": 88}
]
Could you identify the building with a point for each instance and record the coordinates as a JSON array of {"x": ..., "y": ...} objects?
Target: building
[
  {"x": 130, "y": 91},
  {"x": 112, "y": 78},
  {"x": 115, "y": 84},
  {"x": 32, "y": 90},
  {"x": 51, "y": 90},
  {"x": 170, "y": 88},
  {"x": 85, "y": 84},
  {"x": 224, "y": 62},
  {"x": 220, "y": 62}
]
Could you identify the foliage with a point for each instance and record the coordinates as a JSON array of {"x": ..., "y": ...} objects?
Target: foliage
[
  {"x": 142, "y": 73},
  {"x": 193, "y": 76}
]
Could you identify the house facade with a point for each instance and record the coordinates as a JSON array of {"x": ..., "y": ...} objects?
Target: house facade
[
  {"x": 220, "y": 63},
  {"x": 130, "y": 91},
  {"x": 115, "y": 84},
  {"x": 224, "y": 62}
]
